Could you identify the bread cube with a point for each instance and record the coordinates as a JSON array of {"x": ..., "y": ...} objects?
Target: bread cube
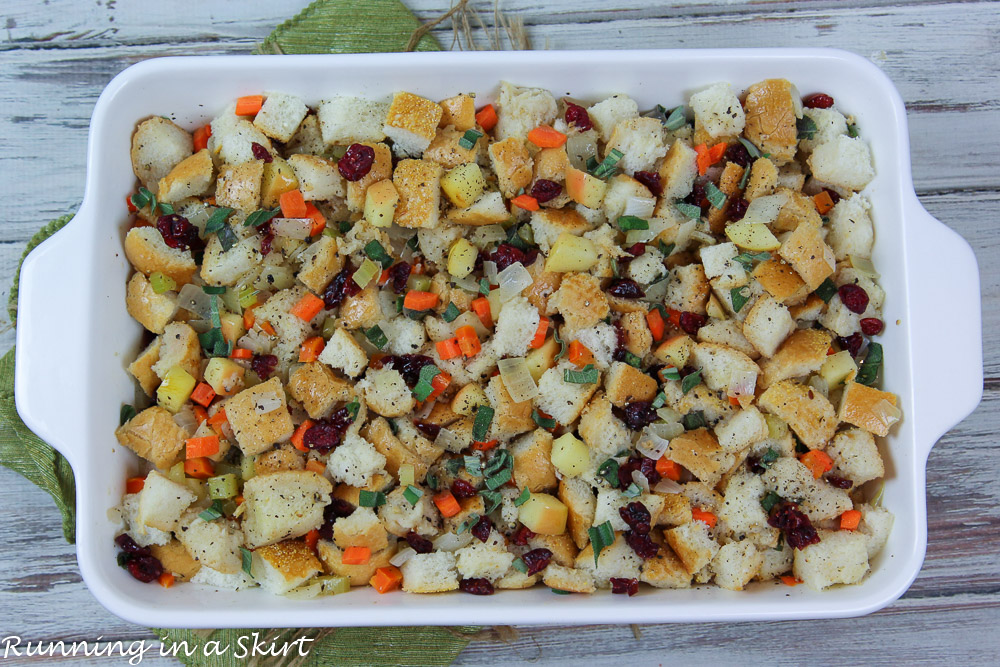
[
  {"x": 418, "y": 183},
  {"x": 851, "y": 230},
  {"x": 620, "y": 190},
  {"x": 318, "y": 177},
  {"x": 411, "y": 123},
  {"x": 776, "y": 563},
  {"x": 581, "y": 301},
  {"x": 142, "y": 368},
  {"x": 447, "y": 150},
  {"x": 568, "y": 579},
  {"x": 802, "y": 353},
  {"x": 721, "y": 366},
  {"x": 175, "y": 559},
  {"x": 746, "y": 427},
  {"x": 626, "y": 384},
  {"x": 489, "y": 209},
  {"x": 700, "y": 453},
  {"x": 430, "y": 573},
  {"x": 693, "y": 545},
  {"x": 237, "y": 581},
  {"x": 191, "y": 177},
  {"x": 355, "y": 461},
  {"x": 806, "y": 411},
  {"x": 781, "y": 281},
  {"x": 728, "y": 333},
  {"x": 843, "y": 162},
  {"x": 868, "y": 408},
  {"x": 221, "y": 267},
  {"x": 380, "y": 171},
  {"x": 486, "y": 560},
  {"x": 333, "y": 562},
  {"x": 344, "y": 353},
  {"x": 578, "y": 496},
  {"x": 281, "y": 458},
  {"x": 515, "y": 328},
  {"x": 158, "y": 145},
  {"x": 676, "y": 510},
  {"x": 616, "y": 560},
  {"x": 459, "y": 111},
  {"x": 281, "y": 567},
  {"x": 162, "y": 501},
  {"x": 179, "y": 346},
  {"x": 532, "y": 463},
  {"x": 214, "y": 544},
  {"x": 239, "y": 186},
  {"x": 840, "y": 557},
  {"x": 825, "y": 502},
  {"x": 510, "y": 417},
  {"x": 678, "y": 171},
  {"x": 700, "y": 399},
  {"x": 149, "y": 309},
  {"x": 741, "y": 509},
  {"x": 361, "y": 529},
  {"x": 564, "y": 401},
  {"x": 521, "y": 110},
  {"x": 320, "y": 264},
  {"x": 318, "y": 389},
  {"x": 512, "y": 164},
  {"x": 876, "y": 524},
  {"x": 604, "y": 433},
  {"x": 259, "y": 417},
  {"x": 665, "y": 570},
  {"x": 280, "y": 115},
  {"x": 283, "y": 505},
  {"x": 233, "y": 138},
  {"x": 719, "y": 262},
  {"x": 641, "y": 142},
  {"x": 789, "y": 478},
  {"x": 395, "y": 452},
  {"x": 771, "y": 112},
  {"x": 688, "y": 289},
  {"x": 148, "y": 252},
  {"x": 348, "y": 120},
  {"x": 762, "y": 181},
  {"x": 855, "y": 456},
  {"x": 736, "y": 564},
  {"x": 767, "y": 325},
  {"x": 611, "y": 111},
  {"x": 601, "y": 339},
  {"x": 805, "y": 250},
  {"x": 797, "y": 209},
  {"x": 610, "y": 501},
  {"x": 548, "y": 223},
  {"x": 717, "y": 110},
  {"x": 830, "y": 123},
  {"x": 153, "y": 435}
]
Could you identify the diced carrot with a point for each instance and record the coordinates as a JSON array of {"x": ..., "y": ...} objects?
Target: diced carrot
[
  {"x": 698, "y": 514},
  {"x": 668, "y": 469},
  {"x": 292, "y": 204},
  {"x": 203, "y": 394},
  {"x": 468, "y": 341},
  {"x": 484, "y": 446},
  {"x": 675, "y": 317},
  {"x": 830, "y": 351},
  {"x": 311, "y": 348},
  {"x": 386, "y": 579},
  {"x": 356, "y": 555},
  {"x": 219, "y": 418},
  {"x": 579, "y": 354},
  {"x": 823, "y": 202},
  {"x": 447, "y": 504},
  {"x": 200, "y": 413},
  {"x": 384, "y": 277},
  {"x": 438, "y": 385},
  {"x": 249, "y": 318},
  {"x": 656, "y": 323},
  {"x": 545, "y": 136},
  {"x": 134, "y": 484},
  {"x": 299, "y": 433},
  {"x": 789, "y": 580},
  {"x": 210, "y": 200},
  {"x": 540, "y": 332},
  {"x": 132, "y": 208},
  {"x": 166, "y": 580},
  {"x": 238, "y": 499},
  {"x": 733, "y": 401},
  {"x": 266, "y": 326},
  {"x": 709, "y": 156},
  {"x": 196, "y": 448},
  {"x": 315, "y": 466},
  {"x": 312, "y": 538},
  {"x": 717, "y": 151},
  {"x": 487, "y": 117},
  {"x": 415, "y": 300},
  {"x": 481, "y": 307},
  {"x": 527, "y": 202},
  {"x": 308, "y": 307},
  {"x": 448, "y": 349},
  {"x": 241, "y": 353},
  {"x": 817, "y": 461},
  {"x": 201, "y": 468},
  {"x": 249, "y": 105},
  {"x": 317, "y": 217},
  {"x": 850, "y": 519},
  {"x": 201, "y": 136}
]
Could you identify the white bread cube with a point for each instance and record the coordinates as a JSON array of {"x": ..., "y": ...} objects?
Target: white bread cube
[
  {"x": 809, "y": 254},
  {"x": 405, "y": 336},
  {"x": 605, "y": 238},
  {"x": 520, "y": 110},
  {"x": 280, "y": 115},
  {"x": 728, "y": 333},
  {"x": 825, "y": 502},
  {"x": 361, "y": 529},
  {"x": 279, "y": 568},
  {"x": 601, "y": 340},
  {"x": 617, "y": 560},
  {"x": 720, "y": 366},
  {"x": 776, "y": 562},
  {"x": 805, "y": 410},
  {"x": 789, "y": 478},
  {"x": 227, "y": 267},
  {"x": 746, "y": 427},
  {"x": 283, "y": 505},
  {"x": 162, "y": 501},
  {"x": 233, "y": 139},
  {"x": 719, "y": 262},
  {"x": 179, "y": 346},
  {"x": 487, "y": 560},
  {"x": 718, "y": 111},
  {"x": 189, "y": 178},
  {"x": 149, "y": 309},
  {"x": 568, "y": 579},
  {"x": 430, "y": 573},
  {"x": 578, "y": 497},
  {"x": 611, "y": 111},
  {"x": 876, "y": 524},
  {"x": 214, "y": 544},
  {"x": 563, "y": 401},
  {"x": 621, "y": 189},
  {"x": 688, "y": 288},
  {"x": 343, "y": 353},
  {"x": 144, "y": 536},
  {"x": 830, "y": 124},
  {"x": 855, "y": 456},
  {"x": 239, "y": 185},
  {"x": 851, "y": 230},
  {"x": 236, "y": 581},
  {"x": 435, "y": 243},
  {"x": 347, "y": 120},
  {"x": 308, "y": 140},
  {"x": 647, "y": 268},
  {"x": 641, "y": 141},
  {"x": 736, "y": 564},
  {"x": 767, "y": 325},
  {"x": 548, "y": 223},
  {"x": 610, "y": 501},
  {"x": 291, "y": 329},
  {"x": 148, "y": 252},
  {"x": 319, "y": 179},
  {"x": 515, "y": 328},
  {"x": 741, "y": 509},
  {"x": 678, "y": 171},
  {"x": 158, "y": 145},
  {"x": 142, "y": 368},
  {"x": 386, "y": 392},
  {"x": 840, "y": 557},
  {"x": 400, "y": 517},
  {"x": 153, "y": 435},
  {"x": 693, "y": 544},
  {"x": 419, "y": 185},
  {"x": 355, "y": 461},
  {"x": 411, "y": 122},
  {"x": 259, "y": 417},
  {"x": 843, "y": 162}
]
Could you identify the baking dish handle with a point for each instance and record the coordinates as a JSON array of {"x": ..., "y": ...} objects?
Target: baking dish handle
[
  {"x": 946, "y": 315},
  {"x": 53, "y": 335}
]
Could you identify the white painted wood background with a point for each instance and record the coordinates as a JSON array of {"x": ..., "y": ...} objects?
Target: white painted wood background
[{"x": 57, "y": 55}]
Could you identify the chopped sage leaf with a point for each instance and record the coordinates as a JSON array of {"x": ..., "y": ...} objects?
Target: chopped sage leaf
[
  {"x": 633, "y": 491},
  {"x": 600, "y": 537},
  {"x": 217, "y": 220},
  {"x": 629, "y": 222},
  {"x": 806, "y": 127},
  {"x": 676, "y": 120},
  {"x": 377, "y": 253},
  {"x": 376, "y": 337},
  {"x": 260, "y": 216},
  {"x": 693, "y": 420},
  {"x": 412, "y": 494},
  {"x": 588, "y": 375},
  {"x": 690, "y": 381},
  {"x": 481, "y": 425},
  {"x": 542, "y": 422},
  {"x": 371, "y": 498},
  {"x": 870, "y": 367},
  {"x": 714, "y": 195},
  {"x": 770, "y": 500},
  {"x": 127, "y": 412},
  {"x": 451, "y": 313},
  {"x": 826, "y": 290},
  {"x": 751, "y": 149},
  {"x": 469, "y": 139},
  {"x": 688, "y": 210},
  {"x": 739, "y": 297},
  {"x": 247, "y": 558},
  {"x": 609, "y": 471},
  {"x": 523, "y": 498}
]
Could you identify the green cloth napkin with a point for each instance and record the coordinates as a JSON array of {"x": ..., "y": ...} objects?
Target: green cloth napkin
[{"x": 325, "y": 26}]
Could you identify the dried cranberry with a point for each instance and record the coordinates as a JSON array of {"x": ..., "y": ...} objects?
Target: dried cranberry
[
  {"x": 651, "y": 180},
  {"x": 326, "y": 434},
  {"x": 643, "y": 546},
  {"x": 462, "y": 489},
  {"x": 505, "y": 255},
  {"x": 544, "y": 190},
  {"x": 267, "y": 238},
  {"x": 691, "y": 322},
  {"x": 834, "y": 197},
  {"x": 530, "y": 257},
  {"x": 263, "y": 365},
  {"x": 625, "y": 288},
  {"x": 476, "y": 586},
  {"x": 177, "y": 232},
  {"x": 357, "y": 162},
  {"x": 737, "y": 209},
  {"x": 636, "y": 516},
  {"x": 839, "y": 482},
  {"x": 697, "y": 195},
  {"x": 521, "y": 535},
  {"x": 399, "y": 273},
  {"x": 261, "y": 153},
  {"x": 851, "y": 343},
  {"x": 646, "y": 466},
  {"x": 340, "y": 287},
  {"x": 129, "y": 546},
  {"x": 636, "y": 249},
  {"x": 577, "y": 115},
  {"x": 754, "y": 466},
  {"x": 481, "y": 531},
  {"x": 337, "y": 509},
  {"x": 428, "y": 429},
  {"x": 855, "y": 298},
  {"x": 817, "y": 101},
  {"x": 871, "y": 326},
  {"x": 419, "y": 543},
  {"x": 738, "y": 154},
  {"x": 407, "y": 365},
  {"x": 537, "y": 560},
  {"x": 144, "y": 568},
  {"x": 798, "y": 530},
  {"x": 623, "y": 586},
  {"x": 636, "y": 414}
]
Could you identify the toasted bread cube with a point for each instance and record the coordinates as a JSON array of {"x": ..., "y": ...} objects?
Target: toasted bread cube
[
  {"x": 568, "y": 579},
  {"x": 318, "y": 389},
  {"x": 484, "y": 560},
  {"x": 512, "y": 164},
  {"x": 221, "y": 267},
  {"x": 418, "y": 183},
  {"x": 604, "y": 433},
  {"x": 851, "y": 230},
  {"x": 580, "y": 301},
  {"x": 700, "y": 399},
  {"x": 863, "y": 406},
  {"x": 280, "y": 116},
  {"x": 308, "y": 139},
  {"x": 380, "y": 171},
  {"x": 320, "y": 264},
  {"x": 741, "y": 508},
  {"x": 728, "y": 333},
  {"x": 626, "y": 384},
  {"x": 283, "y": 505},
  {"x": 281, "y": 567},
  {"x": 855, "y": 456},
  {"x": 564, "y": 401},
  {"x": 610, "y": 501},
  {"x": 802, "y": 353},
  {"x": 550, "y": 164},
  {"x": 175, "y": 559},
  {"x": 564, "y": 550},
  {"x": 665, "y": 570},
  {"x": 611, "y": 111},
  {"x": 840, "y": 557},
  {"x": 521, "y": 110},
  {"x": 355, "y": 461},
  {"x": 767, "y": 325},
  {"x": 809, "y": 255},
  {"x": 191, "y": 177},
  {"x": 770, "y": 118},
  {"x": 781, "y": 281},
  {"x": 318, "y": 177},
  {"x": 459, "y": 111},
  {"x": 142, "y": 368},
  {"x": 638, "y": 338},
  {"x": 718, "y": 111},
  {"x": 430, "y": 573},
  {"x": 736, "y": 564},
  {"x": 532, "y": 463},
  {"x": 239, "y": 186},
  {"x": 259, "y": 417},
  {"x": 411, "y": 123},
  {"x": 393, "y": 450},
  {"x": 162, "y": 501},
  {"x": 447, "y": 150},
  {"x": 616, "y": 560},
  {"x": 578, "y": 496},
  {"x": 213, "y": 544},
  {"x": 721, "y": 366},
  {"x": 620, "y": 190},
  {"x": 693, "y": 545},
  {"x": 641, "y": 142},
  {"x": 158, "y": 145},
  {"x": 548, "y": 223},
  {"x": 344, "y": 353},
  {"x": 510, "y": 417},
  {"x": 348, "y": 120},
  {"x": 179, "y": 346},
  {"x": 746, "y": 427},
  {"x": 150, "y": 309},
  {"x": 281, "y": 458},
  {"x": 843, "y": 162},
  {"x": 700, "y": 453},
  {"x": 676, "y": 510},
  {"x": 361, "y": 529},
  {"x": 798, "y": 208},
  {"x": 678, "y": 171},
  {"x": 153, "y": 435},
  {"x": 148, "y": 252},
  {"x": 361, "y": 311},
  {"x": 806, "y": 411},
  {"x": 333, "y": 562},
  {"x": 489, "y": 209}
]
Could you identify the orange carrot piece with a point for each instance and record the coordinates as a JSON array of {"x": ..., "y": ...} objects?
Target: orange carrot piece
[
  {"x": 218, "y": 419},
  {"x": 134, "y": 484},
  {"x": 307, "y": 307},
  {"x": 817, "y": 461},
  {"x": 698, "y": 514},
  {"x": 481, "y": 307},
  {"x": 447, "y": 504},
  {"x": 132, "y": 208},
  {"x": 850, "y": 519},
  {"x": 200, "y": 468},
  {"x": 675, "y": 317},
  {"x": 292, "y": 204},
  {"x": 438, "y": 385},
  {"x": 823, "y": 202},
  {"x": 487, "y": 117},
  {"x": 789, "y": 580},
  {"x": 579, "y": 354},
  {"x": 668, "y": 469},
  {"x": 201, "y": 136},
  {"x": 540, "y": 332},
  {"x": 200, "y": 413},
  {"x": 527, "y": 202},
  {"x": 249, "y": 318},
  {"x": 484, "y": 446},
  {"x": 708, "y": 156},
  {"x": 733, "y": 401},
  {"x": 299, "y": 433},
  {"x": 249, "y": 105},
  {"x": 203, "y": 394},
  {"x": 448, "y": 349},
  {"x": 311, "y": 349},
  {"x": 315, "y": 466},
  {"x": 317, "y": 217},
  {"x": 241, "y": 353},
  {"x": 656, "y": 323},
  {"x": 312, "y": 538},
  {"x": 468, "y": 341},
  {"x": 415, "y": 300},
  {"x": 356, "y": 555},
  {"x": 545, "y": 136},
  {"x": 266, "y": 326},
  {"x": 716, "y": 152},
  {"x": 166, "y": 580},
  {"x": 196, "y": 448},
  {"x": 386, "y": 579}
]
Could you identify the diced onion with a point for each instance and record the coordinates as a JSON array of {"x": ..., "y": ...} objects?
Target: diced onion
[
  {"x": 449, "y": 441},
  {"x": 467, "y": 283},
  {"x": 517, "y": 379},
  {"x": 764, "y": 209},
  {"x": 490, "y": 272},
  {"x": 651, "y": 445},
  {"x": 640, "y": 481},
  {"x": 266, "y": 402},
  {"x": 186, "y": 420},
  {"x": 668, "y": 415},
  {"x": 293, "y": 228},
  {"x": 483, "y": 236},
  {"x": 657, "y": 291},
  {"x": 820, "y": 385},
  {"x": 579, "y": 147},
  {"x": 666, "y": 431},
  {"x": 887, "y": 413},
  {"x": 634, "y": 236},
  {"x": 193, "y": 298},
  {"x": 512, "y": 281},
  {"x": 406, "y": 474},
  {"x": 257, "y": 342},
  {"x": 403, "y": 556},
  {"x": 702, "y": 237},
  {"x": 667, "y": 485},
  {"x": 640, "y": 207},
  {"x": 864, "y": 265},
  {"x": 743, "y": 385},
  {"x": 452, "y": 542},
  {"x": 366, "y": 272}
]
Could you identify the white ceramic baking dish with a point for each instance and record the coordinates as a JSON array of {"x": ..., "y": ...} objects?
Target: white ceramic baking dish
[{"x": 73, "y": 290}]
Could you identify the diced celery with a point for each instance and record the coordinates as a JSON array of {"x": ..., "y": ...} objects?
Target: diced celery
[
  {"x": 248, "y": 467},
  {"x": 199, "y": 488},
  {"x": 162, "y": 283},
  {"x": 248, "y": 296},
  {"x": 406, "y": 474},
  {"x": 366, "y": 273},
  {"x": 329, "y": 328},
  {"x": 333, "y": 585},
  {"x": 224, "y": 468},
  {"x": 222, "y": 487},
  {"x": 176, "y": 473},
  {"x": 229, "y": 507},
  {"x": 175, "y": 389},
  {"x": 231, "y": 300},
  {"x": 420, "y": 283}
]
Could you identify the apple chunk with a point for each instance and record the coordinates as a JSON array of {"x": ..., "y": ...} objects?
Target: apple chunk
[
  {"x": 544, "y": 514},
  {"x": 570, "y": 455},
  {"x": 571, "y": 253},
  {"x": 584, "y": 188}
]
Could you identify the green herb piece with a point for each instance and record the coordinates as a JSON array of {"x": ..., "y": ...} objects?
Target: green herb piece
[
  {"x": 633, "y": 491},
  {"x": 141, "y": 198},
  {"x": 212, "y": 513},
  {"x": 227, "y": 238},
  {"x": 870, "y": 367},
  {"x": 217, "y": 220},
  {"x": 353, "y": 408},
  {"x": 693, "y": 420},
  {"x": 609, "y": 471},
  {"x": 502, "y": 459},
  {"x": 344, "y": 226},
  {"x": 744, "y": 178},
  {"x": 412, "y": 494},
  {"x": 633, "y": 360},
  {"x": 781, "y": 542},
  {"x": 800, "y": 447},
  {"x": 600, "y": 537},
  {"x": 123, "y": 558},
  {"x": 375, "y": 252},
  {"x": 769, "y": 457},
  {"x": 454, "y": 465},
  {"x": 399, "y": 303},
  {"x": 748, "y": 258},
  {"x": 629, "y": 222},
  {"x": 659, "y": 401},
  {"x": 690, "y": 381},
  {"x": 609, "y": 166},
  {"x": 492, "y": 498},
  {"x": 376, "y": 337},
  {"x": 260, "y": 216},
  {"x": 412, "y": 242},
  {"x": 740, "y": 296},
  {"x": 670, "y": 373},
  {"x": 484, "y": 286},
  {"x": 523, "y": 498},
  {"x": 451, "y": 313},
  {"x": 689, "y": 211},
  {"x": 432, "y": 481},
  {"x": 770, "y": 500},
  {"x": 467, "y": 524},
  {"x": 247, "y": 557},
  {"x": 214, "y": 343},
  {"x": 588, "y": 375},
  {"x": 481, "y": 425},
  {"x": 520, "y": 566},
  {"x": 592, "y": 164},
  {"x": 469, "y": 139},
  {"x": 559, "y": 592},
  {"x": 751, "y": 149},
  {"x": 499, "y": 479},
  {"x": 127, "y": 412},
  {"x": 167, "y": 209},
  {"x": 826, "y": 290},
  {"x": 424, "y": 387},
  {"x": 677, "y": 119},
  {"x": 806, "y": 127},
  {"x": 714, "y": 195},
  {"x": 213, "y": 289},
  {"x": 473, "y": 465},
  {"x": 562, "y": 344},
  {"x": 371, "y": 498},
  {"x": 161, "y": 282},
  {"x": 852, "y": 130},
  {"x": 542, "y": 422},
  {"x": 666, "y": 248}
]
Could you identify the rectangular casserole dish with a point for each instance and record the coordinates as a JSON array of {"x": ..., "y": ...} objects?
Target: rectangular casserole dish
[{"x": 72, "y": 400}]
